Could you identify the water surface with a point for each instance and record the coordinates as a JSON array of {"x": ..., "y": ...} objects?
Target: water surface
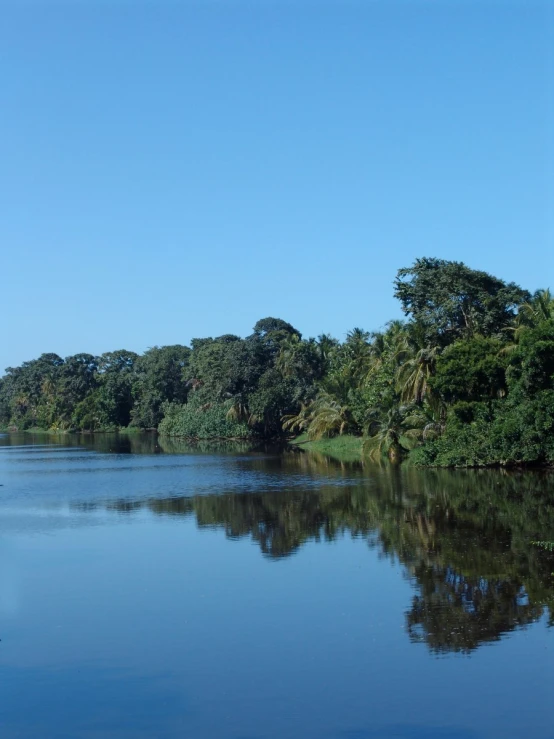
[{"x": 149, "y": 589}]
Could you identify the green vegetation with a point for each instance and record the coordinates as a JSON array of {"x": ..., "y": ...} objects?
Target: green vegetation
[
  {"x": 196, "y": 420},
  {"x": 345, "y": 448},
  {"x": 467, "y": 379}
]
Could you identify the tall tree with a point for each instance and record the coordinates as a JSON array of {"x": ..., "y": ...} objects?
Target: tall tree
[
  {"x": 160, "y": 376},
  {"x": 452, "y": 301},
  {"x": 114, "y": 397}
]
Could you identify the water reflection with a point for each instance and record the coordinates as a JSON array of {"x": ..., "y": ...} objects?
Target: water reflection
[
  {"x": 125, "y": 598},
  {"x": 464, "y": 538},
  {"x": 122, "y": 443}
]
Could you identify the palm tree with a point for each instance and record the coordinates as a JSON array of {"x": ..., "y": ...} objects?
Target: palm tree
[
  {"x": 239, "y": 411},
  {"x": 327, "y": 345},
  {"x": 328, "y": 417},
  {"x": 394, "y": 431},
  {"x": 288, "y": 354},
  {"x": 385, "y": 432},
  {"x": 324, "y": 416},
  {"x": 412, "y": 377},
  {"x": 298, "y": 421},
  {"x": 423, "y": 422},
  {"x": 358, "y": 355},
  {"x": 387, "y": 347},
  {"x": 539, "y": 308}
]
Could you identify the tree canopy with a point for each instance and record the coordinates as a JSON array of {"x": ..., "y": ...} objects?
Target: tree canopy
[
  {"x": 466, "y": 379},
  {"x": 452, "y": 301}
]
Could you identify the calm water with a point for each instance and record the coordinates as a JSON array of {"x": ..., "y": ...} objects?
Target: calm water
[{"x": 148, "y": 589}]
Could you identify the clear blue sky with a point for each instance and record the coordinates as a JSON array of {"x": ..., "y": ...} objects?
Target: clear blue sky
[{"x": 183, "y": 169}]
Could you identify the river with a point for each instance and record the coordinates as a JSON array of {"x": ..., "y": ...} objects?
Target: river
[{"x": 153, "y": 589}]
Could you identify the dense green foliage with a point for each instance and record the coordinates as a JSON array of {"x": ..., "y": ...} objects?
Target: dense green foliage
[
  {"x": 196, "y": 420},
  {"x": 467, "y": 379},
  {"x": 92, "y": 393}
]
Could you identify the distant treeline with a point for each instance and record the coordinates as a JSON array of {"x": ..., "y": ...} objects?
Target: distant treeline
[{"x": 466, "y": 379}]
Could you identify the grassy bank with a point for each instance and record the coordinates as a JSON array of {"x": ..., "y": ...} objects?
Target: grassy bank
[{"x": 345, "y": 448}]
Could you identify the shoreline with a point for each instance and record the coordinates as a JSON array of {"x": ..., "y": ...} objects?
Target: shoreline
[{"x": 346, "y": 448}]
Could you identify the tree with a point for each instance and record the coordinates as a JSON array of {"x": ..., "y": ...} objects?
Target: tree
[
  {"x": 532, "y": 364},
  {"x": 470, "y": 370},
  {"x": 269, "y": 334},
  {"x": 385, "y": 430},
  {"x": 539, "y": 308},
  {"x": 159, "y": 377},
  {"x": 452, "y": 301},
  {"x": 269, "y": 327},
  {"x": 273, "y": 398},
  {"x": 417, "y": 362},
  {"x": 114, "y": 396},
  {"x": 77, "y": 379},
  {"x": 30, "y": 391},
  {"x": 329, "y": 417},
  {"x": 225, "y": 366}
]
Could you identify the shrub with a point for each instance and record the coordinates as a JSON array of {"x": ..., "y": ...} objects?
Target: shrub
[{"x": 207, "y": 421}]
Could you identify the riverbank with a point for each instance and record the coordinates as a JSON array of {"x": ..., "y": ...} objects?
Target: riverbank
[
  {"x": 345, "y": 448},
  {"x": 342, "y": 448},
  {"x": 36, "y": 431}
]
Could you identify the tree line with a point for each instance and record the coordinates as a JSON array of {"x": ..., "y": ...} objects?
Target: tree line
[{"x": 467, "y": 379}]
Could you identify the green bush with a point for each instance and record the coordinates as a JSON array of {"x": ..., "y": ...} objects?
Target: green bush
[
  {"x": 515, "y": 431},
  {"x": 206, "y": 421}
]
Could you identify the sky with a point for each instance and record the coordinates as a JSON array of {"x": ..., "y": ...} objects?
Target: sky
[{"x": 183, "y": 169}]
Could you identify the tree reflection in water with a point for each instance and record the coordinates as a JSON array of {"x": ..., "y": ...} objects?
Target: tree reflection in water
[{"x": 463, "y": 537}]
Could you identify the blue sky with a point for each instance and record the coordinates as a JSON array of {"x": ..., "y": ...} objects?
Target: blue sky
[{"x": 184, "y": 169}]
